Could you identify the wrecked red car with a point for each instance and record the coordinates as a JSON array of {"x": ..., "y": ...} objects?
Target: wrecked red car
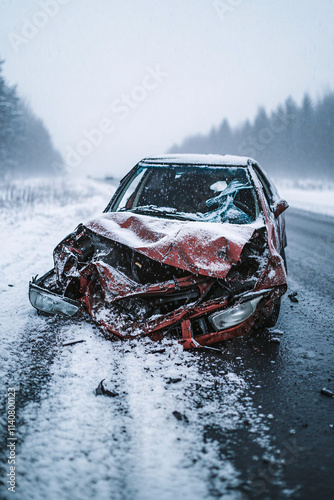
[{"x": 190, "y": 247}]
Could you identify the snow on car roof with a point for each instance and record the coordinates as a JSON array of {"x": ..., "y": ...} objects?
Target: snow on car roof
[{"x": 199, "y": 159}]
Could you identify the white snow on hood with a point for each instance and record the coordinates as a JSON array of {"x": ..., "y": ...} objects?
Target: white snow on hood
[{"x": 199, "y": 247}]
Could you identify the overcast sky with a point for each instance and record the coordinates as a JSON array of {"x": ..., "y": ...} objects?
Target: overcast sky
[{"x": 117, "y": 80}]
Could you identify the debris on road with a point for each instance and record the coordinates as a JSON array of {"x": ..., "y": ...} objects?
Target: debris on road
[
  {"x": 102, "y": 391},
  {"x": 180, "y": 417},
  {"x": 276, "y": 332},
  {"x": 327, "y": 392},
  {"x": 72, "y": 342},
  {"x": 275, "y": 340},
  {"x": 208, "y": 348},
  {"x": 174, "y": 380},
  {"x": 158, "y": 351},
  {"x": 293, "y": 297}
]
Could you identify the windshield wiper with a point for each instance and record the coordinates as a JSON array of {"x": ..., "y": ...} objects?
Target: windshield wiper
[{"x": 153, "y": 210}]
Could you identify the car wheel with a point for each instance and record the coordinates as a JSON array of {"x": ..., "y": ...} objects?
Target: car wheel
[
  {"x": 272, "y": 319},
  {"x": 284, "y": 259},
  {"x": 265, "y": 321}
]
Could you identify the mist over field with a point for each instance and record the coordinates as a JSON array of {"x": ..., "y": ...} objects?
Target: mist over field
[{"x": 104, "y": 86}]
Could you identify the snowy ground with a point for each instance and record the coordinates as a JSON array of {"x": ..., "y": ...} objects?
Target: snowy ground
[
  {"x": 150, "y": 441},
  {"x": 308, "y": 194}
]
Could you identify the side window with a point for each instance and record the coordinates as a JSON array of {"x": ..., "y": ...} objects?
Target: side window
[
  {"x": 126, "y": 200},
  {"x": 265, "y": 184}
]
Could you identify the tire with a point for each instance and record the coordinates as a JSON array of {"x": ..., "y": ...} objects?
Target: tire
[
  {"x": 284, "y": 260},
  {"x": 272, "y": 319},
  {"x": 264, "y": 321}
]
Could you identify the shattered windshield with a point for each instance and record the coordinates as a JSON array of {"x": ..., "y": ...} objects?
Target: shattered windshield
[{"x": 201, "y": 193}]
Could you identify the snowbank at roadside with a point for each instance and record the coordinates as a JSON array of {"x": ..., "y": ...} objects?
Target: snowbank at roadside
[{"x": 308, "y": 194}]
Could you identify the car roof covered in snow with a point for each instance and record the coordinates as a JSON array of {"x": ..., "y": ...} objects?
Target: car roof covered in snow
[{"x": 198, "y": 159}]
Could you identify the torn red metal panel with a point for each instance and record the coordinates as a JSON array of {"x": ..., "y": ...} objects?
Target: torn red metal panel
[{"x": 193, "y": 246}]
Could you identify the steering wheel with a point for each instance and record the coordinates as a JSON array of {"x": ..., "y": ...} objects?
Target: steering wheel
[{"x": 243, "y": 207}]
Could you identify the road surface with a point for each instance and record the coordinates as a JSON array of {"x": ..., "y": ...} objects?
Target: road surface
[{"x": 249, "y": 423}]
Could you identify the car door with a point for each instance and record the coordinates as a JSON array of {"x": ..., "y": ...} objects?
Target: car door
[{"x": 272, "y": 196}]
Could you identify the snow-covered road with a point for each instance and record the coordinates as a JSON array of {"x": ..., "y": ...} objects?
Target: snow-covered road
[{"x": 158, "y": 437}]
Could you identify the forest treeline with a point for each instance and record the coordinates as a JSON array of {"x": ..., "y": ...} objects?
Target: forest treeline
[
  {"x": 25, "y": 144},
  {"x": 293, "y": 140}
]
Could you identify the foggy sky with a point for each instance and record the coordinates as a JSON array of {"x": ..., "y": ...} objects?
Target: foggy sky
[{"x": 117, "y": 80}]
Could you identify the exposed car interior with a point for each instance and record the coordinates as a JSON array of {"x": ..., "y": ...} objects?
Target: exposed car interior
[{"x": 217, "y": 194}]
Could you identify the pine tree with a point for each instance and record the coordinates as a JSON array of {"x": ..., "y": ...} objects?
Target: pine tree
[
  {"x": 293, "y": 140},
  {"x": 25, "y": 143}
]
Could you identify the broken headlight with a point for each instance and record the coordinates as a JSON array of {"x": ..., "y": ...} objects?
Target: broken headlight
[
  {"x": 51, "y": 303},
  {"x": 234, "y": 315}
]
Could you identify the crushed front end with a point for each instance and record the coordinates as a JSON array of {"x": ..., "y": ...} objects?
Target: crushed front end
[{"x": 199, "y": 290}]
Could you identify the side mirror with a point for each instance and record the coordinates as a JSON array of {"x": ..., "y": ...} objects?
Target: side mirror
[{"x": 279, "y": 207}]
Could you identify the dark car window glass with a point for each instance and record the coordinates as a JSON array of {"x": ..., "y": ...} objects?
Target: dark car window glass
[
  {"x": 126, "y": 199},
  {"x": 215, "y": 194},
  {"x": 265, "y": 184}
]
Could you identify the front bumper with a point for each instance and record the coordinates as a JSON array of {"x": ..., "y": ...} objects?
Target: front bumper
[
  {"x": 187, "y": 331},
  {"x": 51, "y": 303},
  {"x": 194, "y": 324}
]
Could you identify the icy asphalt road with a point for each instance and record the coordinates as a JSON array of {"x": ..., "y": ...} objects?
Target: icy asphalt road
[{"x": 250, "y": 423}]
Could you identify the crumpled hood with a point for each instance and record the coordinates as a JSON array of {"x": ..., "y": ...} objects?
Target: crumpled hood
[{"x": 198, "y": 247}]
